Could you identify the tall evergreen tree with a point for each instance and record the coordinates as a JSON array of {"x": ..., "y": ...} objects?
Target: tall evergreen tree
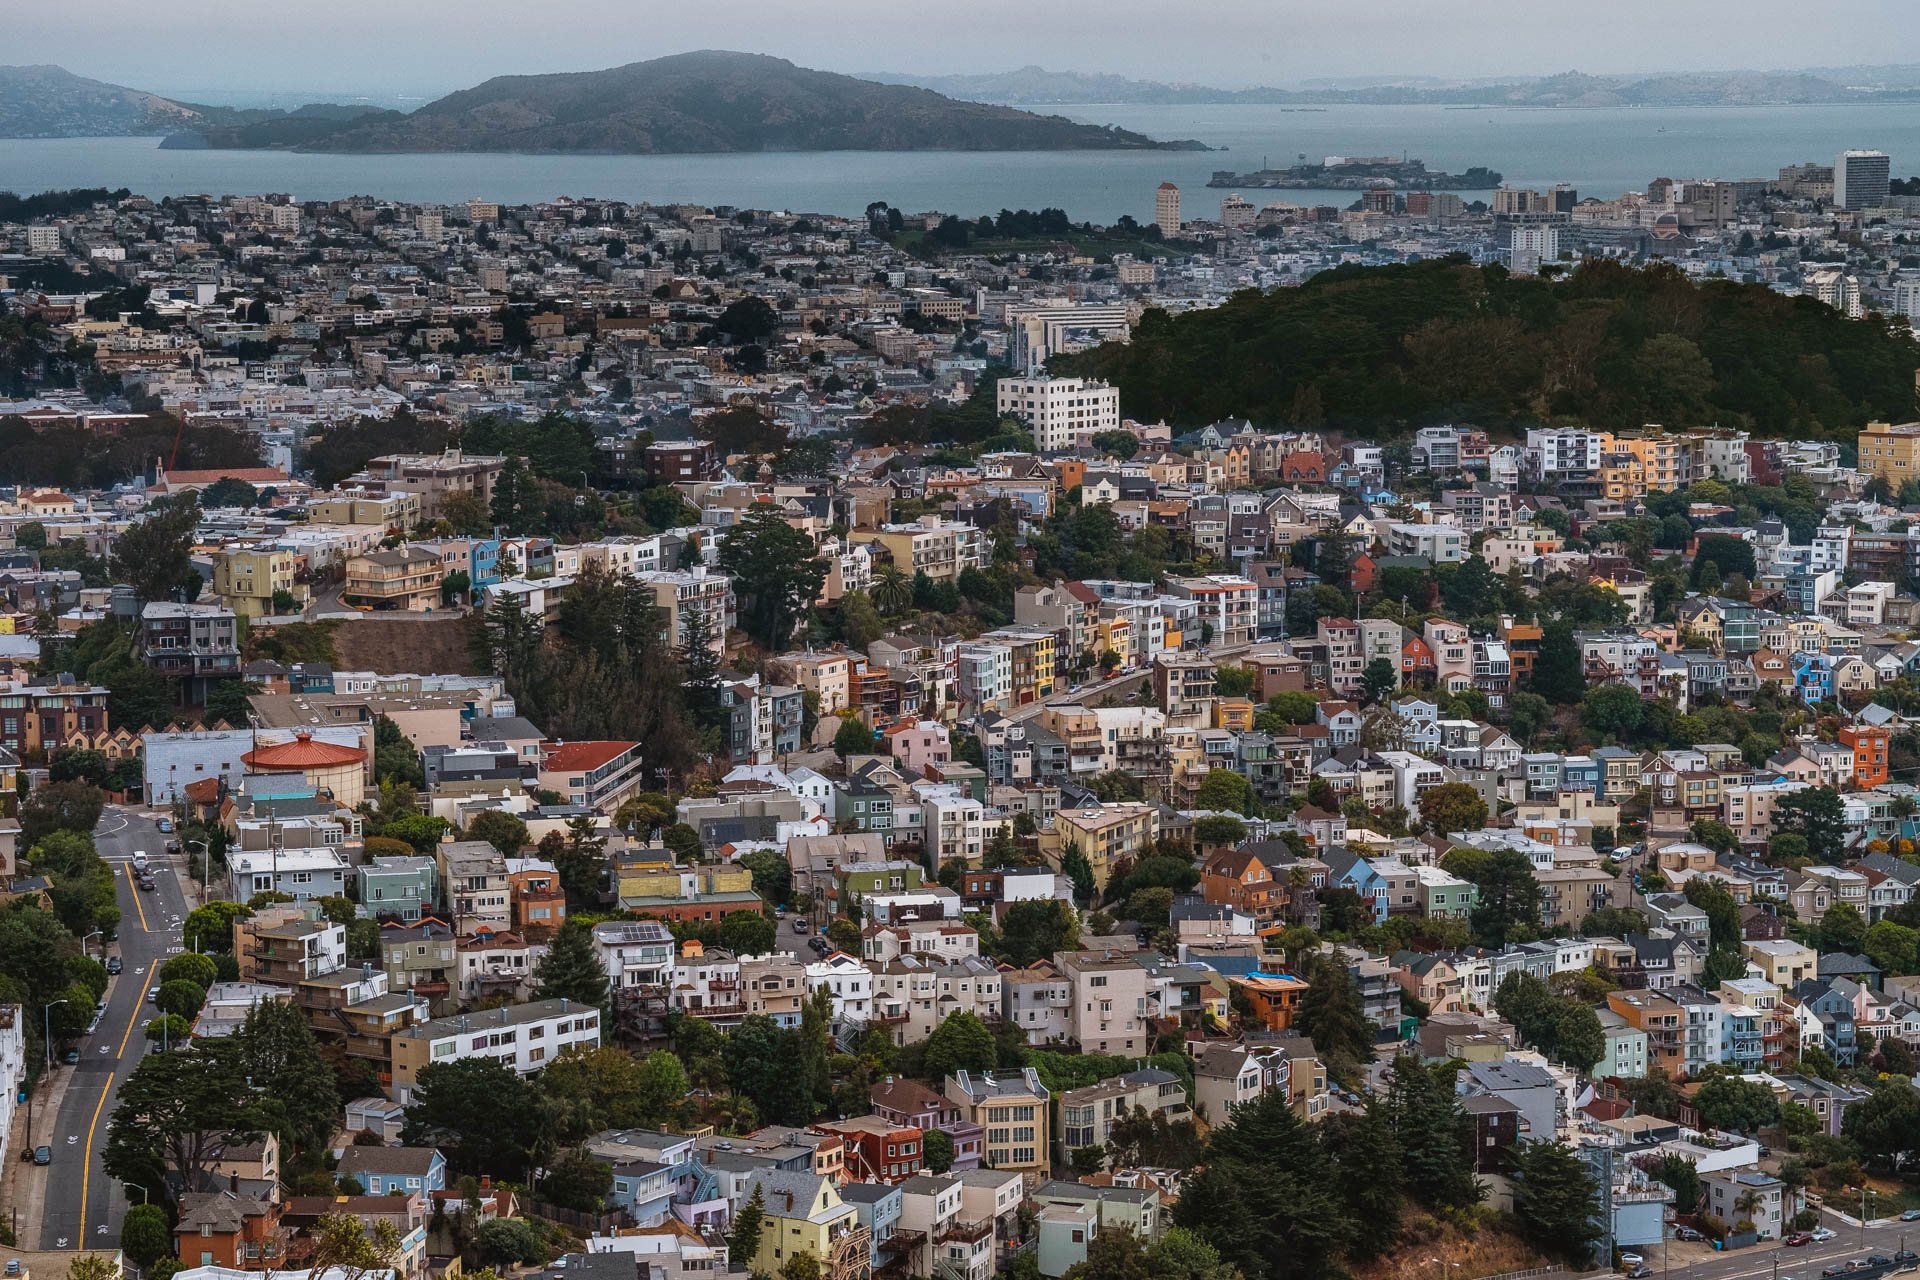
[
  {"x": 1555, "y": 1200},
  {"x": 571, "y": 969},
  {"x": 1559, "y": 676},
  {"x": 744, "y": 1241},
  {"x": 1434, "y": 1134},
  {"x": 1332, "y": 1016},
  {"x": 280, "y": 1057},
  {"x": 1366, "y": 1167},
  {"x": 1267, "y": 1198}
]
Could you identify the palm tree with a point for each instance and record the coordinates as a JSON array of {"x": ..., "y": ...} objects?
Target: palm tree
[
  {"x": 892, "y": 589},
  {"x": 1746, "y": 1203}
]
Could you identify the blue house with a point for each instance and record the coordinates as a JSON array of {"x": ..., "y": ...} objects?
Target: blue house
[
  {"x": 1813, "y": 677},
  {"x": 879, "y": 1207},
  {"x": 1580, "y": 773},
  {"x": 395, "y": 1171},
  {"x": 310, "y": 677}
]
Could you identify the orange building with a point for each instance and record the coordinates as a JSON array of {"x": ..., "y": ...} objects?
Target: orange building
[
  {"x": 539, "y": 903},
  {"x": 1273, "y": 998},
  {"x": 1869, "y": 747},
  {"x": 1662, "y": 1020}
]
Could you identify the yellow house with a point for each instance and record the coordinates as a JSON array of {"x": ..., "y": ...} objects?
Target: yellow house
[
  {"x": 1782, "y": 961},
  {"x": 1891, "y": 452},
  {"x": 666, "y": 880},
  {"x": 1033, "y": 661},
  {"x": 1661, "y": 458},
  {"x": 1621, "y": 477},
  {"x": 1233, "y": 713},
  {"x": 803, "y": 1213},
  {"x": 247, "y": 578},
  {"x": 1107, "y": 835}
]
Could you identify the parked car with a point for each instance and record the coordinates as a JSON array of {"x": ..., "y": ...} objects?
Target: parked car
[
  {"x": 1837, "y": 1269},
  {"x": 1640, "y": 1272},
  {"x": 153, "y": 995},
  {"x": 43, "y": 1155},
  {"x": 799, "y": 924},
  {"x": 70, "y": 1057},
  {"x": 165, "y": 825},
  {"x": 1797, "y": 1239},
  {"x": 115, "y": 964},
  {"x": 1879, "y": 1260},
  {"x": 1911, "y": 1215},
  {"x": 1631, "y": 1259},
  {"x": 819, "y": 945},
  {"x": 1685, "y": 1233},
  {"x": 1906, "y": 1255},
  {"x": 1821, "y": 1234}
]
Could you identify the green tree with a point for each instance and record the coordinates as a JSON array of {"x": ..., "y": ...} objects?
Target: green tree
[
  {"x": 145, "y": 1236},
  {"x": 482, "y": 1114},
  {"x": 1842, "y": 929},
  {"x": 1434, "y": 1135},
  {"x": 960, "y": 1043},
  {"x": 1333, "y": 1017},
  {"x": 299, "y": 1092},
  {"x": 210, "y": 928},
  {"x": 577, "y": 1181},
  {"x": 1380, "y": 678},
  {"x": 1818, "y": 814},
  {"x": 772, "y": 875},
  {"x": 571, "y": 969},
  {"x": 853, "y": 738},
  {"x": 1267, "y": 1200},
  {"x": 1559, "y": 675},
  {"x": 1452, "y": 807},
  {"x": 892, "y": 590},
  {"x": 154, "y": 554},
  {"x": 1509, "y": 900},
  {"x": 1894, "y": 947},
  {"x": 178, "y": 1111},
  {"x": 1224, "y": 791},
  {"x": 936, "y": 1149},
  {"x": 182, "y": 998},
  {"x": 502, "y": 1242},
  {"x": 503, "y": 830},
  {"x": 860, "y": 623},
  {"x": 1366, "y": 1162},
  {"x": 744, "y": 1240},
  {"x": 1553, "y": 1200},
  {"x": 1036, "y": 930},
  {"x": 775, "y": 572},
  {"x": 1075, "y": 867},
  {"x": 1611, "y": 709},
  {"x": 1731, "y": 1103},
  {"x": 1886, "y": 1125},
  {"x": 747, "y": 933}
]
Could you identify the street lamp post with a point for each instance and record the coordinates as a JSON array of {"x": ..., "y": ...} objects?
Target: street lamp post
[
  {"x": 206, "y": 888},
  {"x": 97, "y": 933},
  {"x": 46, "y": 1026}
]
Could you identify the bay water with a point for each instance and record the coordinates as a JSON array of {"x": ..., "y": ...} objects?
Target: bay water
[{"x": 1601, "y": 151}]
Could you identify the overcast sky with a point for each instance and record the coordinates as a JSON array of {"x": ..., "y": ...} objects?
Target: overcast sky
[{"x": 431, "y": 46}]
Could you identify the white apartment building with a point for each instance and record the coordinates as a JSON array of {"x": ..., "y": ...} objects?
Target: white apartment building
[
  {"x": 524, "y": 1036},
  {"x": 635, "y": 953},
  {"x": 301, "y": 874},
  {"x": 1056, "y": 408},
  {"x": 956, "y": 823},
  {"x": 849, "y": 984},
  {"x": 1529, "y": 245},
  {"x": 1565, "y": 451},
  {"x": 1440, "y": 543}
]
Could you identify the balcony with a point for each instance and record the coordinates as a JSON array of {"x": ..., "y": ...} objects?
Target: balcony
[{"x": 969, "y": 1232}]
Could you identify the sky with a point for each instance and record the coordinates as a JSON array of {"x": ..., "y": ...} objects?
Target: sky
[{"x": 427, "y": 47}]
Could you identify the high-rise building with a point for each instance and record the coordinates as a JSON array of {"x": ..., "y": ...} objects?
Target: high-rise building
[
  {"x": 1860, "y": 179},
  {"x": 1563, "y": 197},
  {"x": 1166, "y": 209},
  {"x": 1056, "y": 409},
  {"x": 1530, "y": 244},
  {"x": 1236, "y": 213}
]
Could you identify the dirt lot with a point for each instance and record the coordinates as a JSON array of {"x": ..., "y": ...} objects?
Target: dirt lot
[{"x": 391, "y": 645}]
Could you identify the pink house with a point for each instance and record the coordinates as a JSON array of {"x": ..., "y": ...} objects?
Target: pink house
[{"x": 920, "y": 745}]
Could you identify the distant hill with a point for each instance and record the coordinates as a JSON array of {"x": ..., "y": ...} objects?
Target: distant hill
[
  {"x": 693, "y": 102},
  {"x": 49, "y": 102},
  {"x": 1032, "y": 84},
  {"x": 1363, "y": 348}
]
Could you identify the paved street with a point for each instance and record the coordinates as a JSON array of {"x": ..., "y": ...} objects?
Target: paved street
[
  {"x": 82, "y": 1205},
  {"x": 1805, "y": 1263}
]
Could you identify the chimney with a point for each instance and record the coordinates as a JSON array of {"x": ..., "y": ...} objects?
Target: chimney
[{"x": 233, "y": 1183}]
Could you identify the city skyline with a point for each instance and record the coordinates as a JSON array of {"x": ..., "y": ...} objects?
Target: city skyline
[{"x": 226, "y": 47}]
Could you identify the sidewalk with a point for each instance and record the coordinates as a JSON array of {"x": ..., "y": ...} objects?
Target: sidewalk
[{"x": 24, "y": 1184}]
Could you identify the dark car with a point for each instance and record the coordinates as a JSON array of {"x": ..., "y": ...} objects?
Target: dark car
[
  {"x": 1685, "y": 1233},
  {"x": 819, "y": 945},
  {"x": 1837, "y": 1269},
  {"x": 70, "y": 1057},
  {"x": 1879, "y": 1260},
  {"x": 1906, "y": 1255},
  {"x": 1911, "y": 1215},
  {"x": 115, "y": 964},
  {"x": 1797, "y": 1239},
  {"x": 1640, "y": 1272},
  {"x": 43, "y": 1155}
]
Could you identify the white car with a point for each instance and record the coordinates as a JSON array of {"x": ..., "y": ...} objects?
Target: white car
[{"x": 1821, "y": 1234}]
